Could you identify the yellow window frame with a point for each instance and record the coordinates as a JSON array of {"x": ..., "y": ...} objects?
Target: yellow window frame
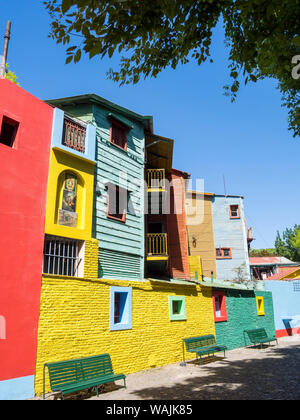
[{"x": 260, "y": 305}]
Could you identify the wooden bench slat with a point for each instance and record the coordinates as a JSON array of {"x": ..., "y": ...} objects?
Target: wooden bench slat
[
  {"x": 81, "y": 373},
  {"x": 202, "y": 345}
]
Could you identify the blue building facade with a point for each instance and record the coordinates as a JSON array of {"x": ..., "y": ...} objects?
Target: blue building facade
[{"x": 231, "y": 237}]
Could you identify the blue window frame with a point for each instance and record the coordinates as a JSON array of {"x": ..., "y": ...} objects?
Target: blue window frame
[{"x": 120, "y": 308}]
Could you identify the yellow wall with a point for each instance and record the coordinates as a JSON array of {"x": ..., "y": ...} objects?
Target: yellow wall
[
  {"x": 195, "y": 267},
  {"x": 201, "y": 235},
  {"x": 74, "y": 322},
  {"x": 293, "y": 275},
  {"x": 60, "y": 162}
]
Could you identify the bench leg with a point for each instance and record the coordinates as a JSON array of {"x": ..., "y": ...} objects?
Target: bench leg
[{"x": 125, "y": 383}]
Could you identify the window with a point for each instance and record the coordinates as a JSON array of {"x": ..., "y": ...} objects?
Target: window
[
  {"x": 116, "y": 202},
  {"x": 177, "y": 308},
  {"x": 67, "y": 213},
  {"x": 120, "y": 308},
  {"x": 63, "y": 256},
  {"x": 219, "y": 304},
  {"x": 8, "y": 132},
  {"x": 260, "y": 305},
  {"x": 223, "y": 253},
  {"x": 234, "y": 210},
  {"x": 118, "y": 135}
]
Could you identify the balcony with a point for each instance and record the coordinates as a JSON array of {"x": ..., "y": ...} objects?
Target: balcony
[
  {"x": 74, "y": 135},
  {"x": 157, "y": 246},
  {"x": 156, "y": 180}
]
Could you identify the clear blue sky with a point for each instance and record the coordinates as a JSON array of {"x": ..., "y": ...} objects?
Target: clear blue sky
[{"x": 247, "y": 142}]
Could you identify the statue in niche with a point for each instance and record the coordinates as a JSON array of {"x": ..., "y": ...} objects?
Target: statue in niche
[{"x": 67, "y": 214}]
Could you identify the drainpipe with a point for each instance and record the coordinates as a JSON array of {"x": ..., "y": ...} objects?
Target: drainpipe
[{"x": 5, "y": 49}]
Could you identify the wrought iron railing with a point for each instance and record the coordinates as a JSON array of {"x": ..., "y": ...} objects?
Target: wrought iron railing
[
  {"x": 74, "y": 135},
  {"x": 156, "y": 179},
  {"x": 157, "y": 244}
]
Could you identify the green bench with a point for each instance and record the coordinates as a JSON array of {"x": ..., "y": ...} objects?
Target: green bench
[
  {"x": 75, "y": 375},
  {"x": 203, "y": 345},
  {"x": 259, "y": 336}
]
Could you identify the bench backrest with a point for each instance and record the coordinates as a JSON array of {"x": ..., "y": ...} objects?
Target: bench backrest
[
  {"x": 256, "y": 334},
  {"x": 72, "y": 371},
  {"x": 196, "y": 342}
]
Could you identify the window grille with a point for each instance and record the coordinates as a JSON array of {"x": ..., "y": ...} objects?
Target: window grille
[
  {"x": 296, "y": 285},
  {"x": 74, "y": 135},
  {"x": 61, "y": 256}
]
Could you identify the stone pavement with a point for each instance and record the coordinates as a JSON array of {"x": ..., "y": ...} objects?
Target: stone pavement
[{"x": 271, "y": 373}]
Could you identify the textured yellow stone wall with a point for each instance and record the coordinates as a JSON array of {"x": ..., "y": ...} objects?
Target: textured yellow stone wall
[{"x": 74, "y": 323}]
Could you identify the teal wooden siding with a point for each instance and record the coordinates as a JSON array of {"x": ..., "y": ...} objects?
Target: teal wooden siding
[
  {"x": 118, "y": 265},
  {"x": 121, "y": 244}
]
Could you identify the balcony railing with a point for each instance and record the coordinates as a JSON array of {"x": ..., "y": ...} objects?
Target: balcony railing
[
  {"x": 74, "y": 135},
  {"x": 250, "y": 235},
  {"x": 156, "y": 179},
  {"x": 157, "y": 244}
]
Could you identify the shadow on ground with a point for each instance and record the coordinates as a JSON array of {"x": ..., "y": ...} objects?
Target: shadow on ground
[{"x": 274, "y": 377}]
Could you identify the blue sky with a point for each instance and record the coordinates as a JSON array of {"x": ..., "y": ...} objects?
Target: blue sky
[{"x": 246, "y": 142}]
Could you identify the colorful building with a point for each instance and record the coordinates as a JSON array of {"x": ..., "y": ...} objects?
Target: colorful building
[
  {"x": 104, "y": 303},
  {"x": 103, "y": 217},
  {"x": 201, "y": 234},
  {"x": 231, "y": 237},
  {"x": 119, "y": 183},
  {"x": 285, "y": 289},
  {"x": 25, "y": 137},
  {"x": 237, "y": 309}
]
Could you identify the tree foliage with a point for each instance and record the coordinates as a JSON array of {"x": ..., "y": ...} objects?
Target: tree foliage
[
  {"x": 262, "y": 37},
  {"x": 11, "y": 76},
  {"x": 289, "y": 244},
  {"x": 267, "y": 252}
]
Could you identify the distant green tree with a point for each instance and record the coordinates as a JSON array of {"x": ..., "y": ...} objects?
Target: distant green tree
[
  {"x": 289, "y": 244},
  {"x": 266, "y": 252}
]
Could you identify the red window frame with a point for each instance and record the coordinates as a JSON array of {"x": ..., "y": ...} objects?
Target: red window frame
[
  {"x": 222, "y": 299},
  {"x": 118, "y": 135},
  {"x": 238, "y": 211},
  {"x": 120, "y": 194},
  {"x": 222, "y": 256}
]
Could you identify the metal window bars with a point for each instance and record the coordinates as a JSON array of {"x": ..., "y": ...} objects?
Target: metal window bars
[
  {"x": 61, "y": 256},
  {"x": 74, "y": 135}
]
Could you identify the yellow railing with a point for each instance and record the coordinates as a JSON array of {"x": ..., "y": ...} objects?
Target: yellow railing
[
  {"x": 157, "y": 244},
  {"x": 156, "y": 179}
]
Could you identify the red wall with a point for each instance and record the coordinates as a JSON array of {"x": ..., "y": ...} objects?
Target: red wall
[
  {"x": 176, "y": 227},
  {"x": 24, "y": 174}
]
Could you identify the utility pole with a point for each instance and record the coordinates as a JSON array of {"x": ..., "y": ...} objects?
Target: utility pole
[{"x": 5, "y": 49}]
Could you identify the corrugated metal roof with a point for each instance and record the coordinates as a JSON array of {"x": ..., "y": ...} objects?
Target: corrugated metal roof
[{"x": 271, "y": 261}]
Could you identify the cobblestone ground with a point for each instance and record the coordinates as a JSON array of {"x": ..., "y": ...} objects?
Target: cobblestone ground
[{"x": 271, "y": 373}]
